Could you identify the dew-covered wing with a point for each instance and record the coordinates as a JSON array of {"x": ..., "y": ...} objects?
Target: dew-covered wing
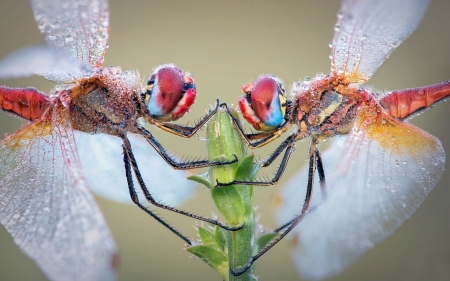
[
  {"x": 102, "y": 162},
  {"x": 78, "y": 28},
  {"x": 368, "y": 31},
  {"x": 46, "y": 206},
  {"x": 377, "y": 177},
  {"x": 42, "y": 60}
]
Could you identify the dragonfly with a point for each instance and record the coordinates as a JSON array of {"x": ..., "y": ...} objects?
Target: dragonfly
[
  {"x": 45, "y": 203},
  {"x": 378, "y": 169}
]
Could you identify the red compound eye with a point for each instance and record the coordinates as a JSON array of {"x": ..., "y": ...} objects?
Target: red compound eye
[
  {"x": 265, "y": 100},
  {"x": 165, "y": 90},
  {"x": 170, "y": 93}
]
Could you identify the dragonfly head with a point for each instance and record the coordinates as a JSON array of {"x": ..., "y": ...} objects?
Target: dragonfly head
[
  {"x": 264, "y": 103},
  {"x": 170, "y": 93}
]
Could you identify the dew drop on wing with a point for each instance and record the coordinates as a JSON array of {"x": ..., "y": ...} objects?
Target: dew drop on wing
[{"x": 68, "y": 38}]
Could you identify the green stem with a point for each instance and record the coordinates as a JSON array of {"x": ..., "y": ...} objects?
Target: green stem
[
  {"x": 235, "y": 203},
  {"x": 225, "y": 140}
]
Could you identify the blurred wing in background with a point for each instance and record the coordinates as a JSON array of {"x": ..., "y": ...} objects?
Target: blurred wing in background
[
  {"x": 41, "y": 60},
  {"x": 102, "y": 162}
]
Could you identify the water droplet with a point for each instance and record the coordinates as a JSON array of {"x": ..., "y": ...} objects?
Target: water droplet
[
  {"x": 383, "y": 121},
  {"x": 94, "y": 29},
  {"x": 337, "y": 27},
  {"x": 105, "y": 24},
  {"x": 330, "y": 45},
  {"x": 51, "y": 37},
  {"x": 307, "y": 78},
  {"x": 404, "y": 162},
  {"x": 42, "y": 26},
  {"x": 68, "y": 39}
]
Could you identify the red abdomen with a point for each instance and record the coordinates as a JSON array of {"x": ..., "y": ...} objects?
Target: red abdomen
[
  {"x": 28, "y": 103},
  {"x": 403, "y": 103}
]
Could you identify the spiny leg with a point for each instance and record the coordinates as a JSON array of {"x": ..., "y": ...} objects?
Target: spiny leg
[
  {"x": 186, "y": 131},
  {"x": 305, "y": 209},
  {"x": 129, "y": 154},
  {"x": 288, "y": 144},
  {"x": 174, "y": 163},
  {"x": 321, "y": 172},
  {"x": 135, "y": 198}
]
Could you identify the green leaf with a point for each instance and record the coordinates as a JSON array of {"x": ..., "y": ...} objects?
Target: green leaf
[
  {"x": 206, "y": 236},
  {"x": 264, "y": 240},
  {"x": 245, "y": 168},
  {"x": 203, "y": 179},
  {"x": 220, "y": 237},
  {"x": 209, "y": 239},
  {"x": 215, "y": 258},
  {"x": 230, "y": 204}
]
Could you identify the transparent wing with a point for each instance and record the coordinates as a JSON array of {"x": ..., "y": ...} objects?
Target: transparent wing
[
  {"x": 102, "y": 161},
  {"x": 46, "y": 206},
  {"x": 377, "y": 177},
  {"x": 368, "y": 31},
  {"x": 41, "y": 60},
  {"x": 78, "y": 28}
]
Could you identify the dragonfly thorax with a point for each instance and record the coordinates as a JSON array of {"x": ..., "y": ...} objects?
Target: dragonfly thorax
[
  {"x": 323, "y": 106},
  {"x": 105, "y": 102}
]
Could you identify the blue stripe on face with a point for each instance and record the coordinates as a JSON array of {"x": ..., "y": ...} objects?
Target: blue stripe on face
[
  {"x": 153, "y": 106},
  {"x": 274, "y": 116}
]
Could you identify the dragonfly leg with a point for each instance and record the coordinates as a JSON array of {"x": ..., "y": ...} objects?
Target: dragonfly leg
[
  {"x": 135, "y": 199},
  {"x": 287, "y": 144},
  {"x": 295, "y": 221},
  {"x": 174, "y": 163},
  {"x": 321, "y": 172},
  {"x": 185, "y": 131},
  {"x": 128, "y": 153}
]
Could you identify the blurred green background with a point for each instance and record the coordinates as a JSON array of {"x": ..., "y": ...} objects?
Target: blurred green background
[{"x": 225, "y": 44}]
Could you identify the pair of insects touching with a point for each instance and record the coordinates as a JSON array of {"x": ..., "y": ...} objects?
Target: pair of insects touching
[
  {"x": 322, "y": 107},
  {"x": 381, "y": 166}
]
